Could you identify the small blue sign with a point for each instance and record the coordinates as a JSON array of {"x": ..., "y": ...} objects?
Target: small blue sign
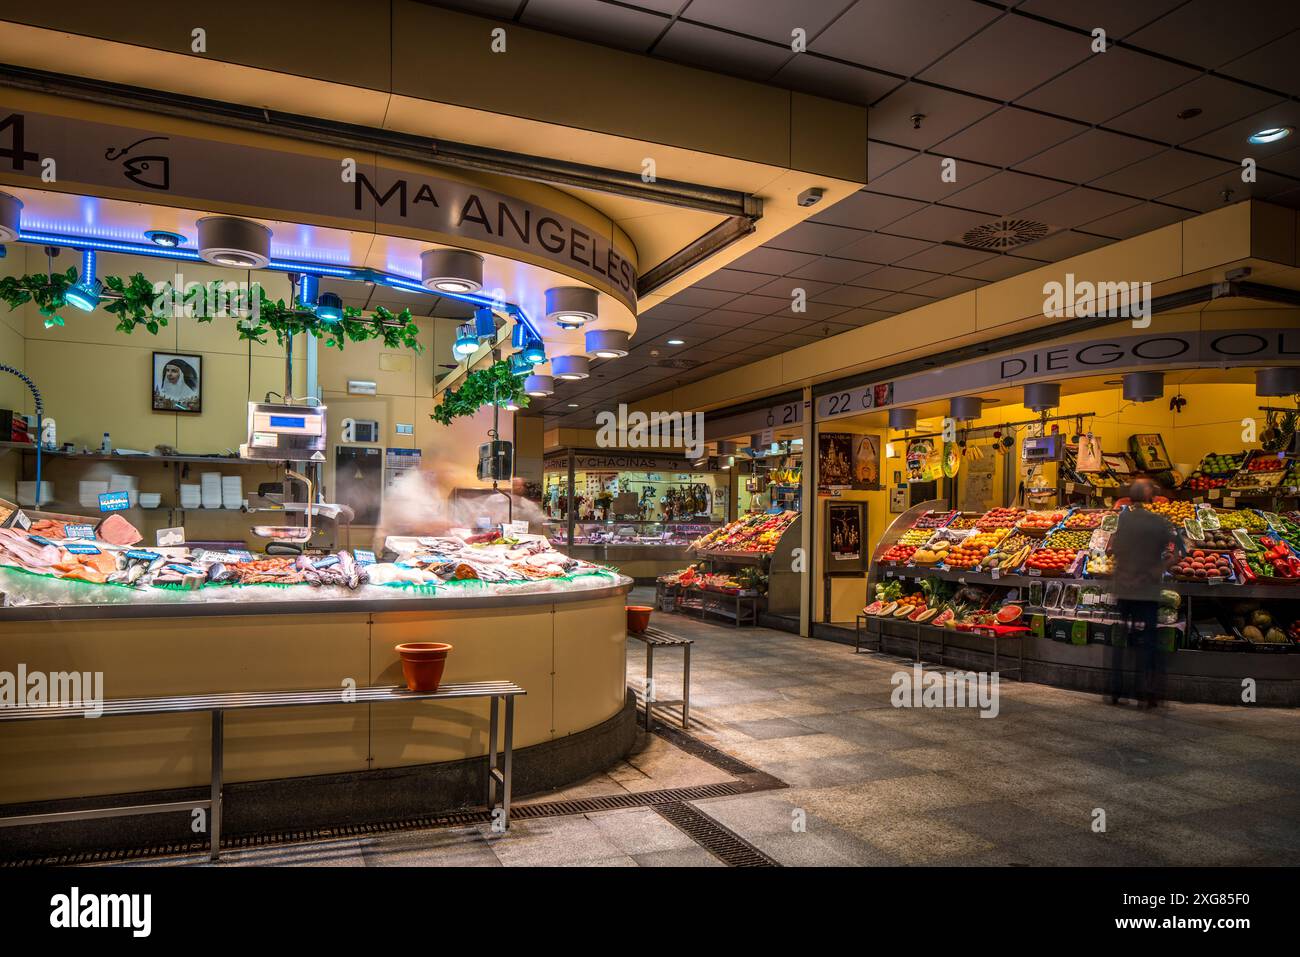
[
  {"x": 79, "y": 531},
  {"x": 364, "y": 557},
  {"x": 327, "y": 562},
  {"x": 81, "y": 548},
  {"x": 114, "y": 501},
  {"x": 241, "y": 556},
  {"x": 137, "y": 555},
  {"x": 40, "y": 540},
  {"x": 184, "y": 569}
]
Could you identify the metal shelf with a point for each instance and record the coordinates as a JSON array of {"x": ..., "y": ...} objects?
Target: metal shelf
[{"x": 114, "y": 457}]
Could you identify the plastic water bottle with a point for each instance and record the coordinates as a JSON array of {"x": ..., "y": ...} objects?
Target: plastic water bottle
[{"x": 106, "y": 446}]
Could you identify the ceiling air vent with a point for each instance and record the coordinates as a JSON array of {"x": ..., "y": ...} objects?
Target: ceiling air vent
[
  {"x": 676, "y": 363},
  {"x": 1002, "y": 234}
]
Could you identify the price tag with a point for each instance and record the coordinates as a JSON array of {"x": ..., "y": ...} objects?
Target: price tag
[
  {"x": 327, "y": 562},
  {"x": 363, "y": 556},
  {"x": 171, "y": 536},
  {"x": 78, "y": 531},
  {"x": 21, "y": 520},
  {"x": 114, "y": 501},
  {"x": 241, "y": 556},
  {"x": 39, "y": 540},
  {"x": 184, "y": 569},
  {"x": 1198, "y": 500},
  {"x": 515, "y": 529},
  {"x": 1034, "y": 572},
  {"x": 1216, "y": 493},
  {"x": 80, "y": 548},
  {"x": 889, "y": 574},
  {"x": 1229, "y": 502},
  {"x": 996, "y": 573},
  {"x": 139, "y": 555}
]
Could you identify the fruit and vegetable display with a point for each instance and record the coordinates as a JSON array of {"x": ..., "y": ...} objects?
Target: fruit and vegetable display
[
  {"x": 1051, "y": 561},
  {"x": 1248, "y": 519},
  {"x": 999, "y": 518},
  {"x": 1214, "y": 539},
  {"x": 1039, "y": 523},
  {"x": 753, "y": 533},
  {"x": 934, "y": 519},
  {"x": 964, "y": 522},
  {"x": 1177, "y": 512},
  {"x": 1203, "y": 483},
  {"x": 1067, "y": 539},
  {"x": 1266, "y": 463},
  {"x": 1100, "y": 566},
  {"x": 1084, "y": 520},
  {"x": 1202, "y": 566},
  {"x": 1274, "y": 559},
  {"x": 898, "y": 553},
  {"x": 1217, "y": 465},
  {"x": 746, "y": 580}
]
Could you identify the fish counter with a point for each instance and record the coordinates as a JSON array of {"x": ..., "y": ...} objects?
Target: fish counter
[{"x": 157, "y": 621}]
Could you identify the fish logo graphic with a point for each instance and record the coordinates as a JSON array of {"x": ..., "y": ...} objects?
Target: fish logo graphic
[{"x": 151, "y": 171}]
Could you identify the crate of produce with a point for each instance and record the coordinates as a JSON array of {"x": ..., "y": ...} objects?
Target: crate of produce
[
  {"x": 1099, "y": 566},
  {"x": 1222, "y": 642},
  {"x": 1244, "y": 518},
  {"x": 935, "y": 519},
  {"x": 1272, "y": 562},
  {"x": 999, "y": 518},
  {"x": 898, "y": 554},
  {"x": 1084, "y": 519},
  {"x": 915, "y": 536},
  {"x": 1213, "y": 539},
  {"x": 1038, "y": 524},
  {"x": 1052, "y": 562},
  {"x": 1204, "y": 567},
  {"x": 1221, "y": 466}
]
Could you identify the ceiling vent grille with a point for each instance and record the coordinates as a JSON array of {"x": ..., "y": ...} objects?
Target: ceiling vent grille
[
  {"x": 1003, "y": 234},
  {"x": 676, "y": 363}
]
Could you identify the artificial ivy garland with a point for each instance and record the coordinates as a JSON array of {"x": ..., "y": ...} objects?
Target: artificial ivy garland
[
  {"x": 134, "y": 302},
  {"x": 496, "y": 383}
]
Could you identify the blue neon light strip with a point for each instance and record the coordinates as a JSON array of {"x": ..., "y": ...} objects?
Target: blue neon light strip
[{"x": 279, "y": 265}]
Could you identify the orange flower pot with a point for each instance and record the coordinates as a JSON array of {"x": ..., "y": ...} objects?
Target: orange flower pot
[
  {"x": 423, "y": 663},
  {"x": 638, "y": 618}
]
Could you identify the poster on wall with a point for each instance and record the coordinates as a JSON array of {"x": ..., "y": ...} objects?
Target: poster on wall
[
  {"x": 835, "y": 460},
  {"x": 844, "y": 526},
  {"x": 924, "y": 460},
  {"x": 866, "y": 462},
  {"x": 1149, "y": 450},
  {"x": 177, "y": 382},
  {"x": 976, "y": 487}
]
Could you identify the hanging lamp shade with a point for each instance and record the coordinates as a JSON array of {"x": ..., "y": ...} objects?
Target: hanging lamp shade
[
  {"x": 1041, "y": 396},
  {"x": 902, "y": 420},
  {"x": 1277, "y": 382},
  {"x": 965, "y": 407},
  {"x": 1143, "y": 386}
]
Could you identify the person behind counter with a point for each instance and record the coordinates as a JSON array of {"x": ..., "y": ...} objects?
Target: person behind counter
[{"x": 1144, "y": 546}]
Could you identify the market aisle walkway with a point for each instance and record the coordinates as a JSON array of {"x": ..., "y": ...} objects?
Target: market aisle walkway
[{"x": 871, "y": 784}]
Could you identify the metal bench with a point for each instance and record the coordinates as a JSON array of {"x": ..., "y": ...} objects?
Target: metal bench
[
  {"x": 218, "y": 704},
  {"x": 657, "y": 638}
]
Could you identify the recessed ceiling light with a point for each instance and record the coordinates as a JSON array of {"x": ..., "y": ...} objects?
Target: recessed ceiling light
[
  {"x": 677, "y": 342},
  {"x": 573, "y": 405},
  {"x": 161, "y": 237},
  {"x": 1270, "y": 135}
]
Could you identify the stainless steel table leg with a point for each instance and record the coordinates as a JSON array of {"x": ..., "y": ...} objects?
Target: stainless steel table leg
[
  {"x": 214, "y": 807},
  {"x": 649, "y": 681},
  {"x": 492, "y": 753},
  {"x": 686, "y": 686},
  {"x": 509, "y": 760}
]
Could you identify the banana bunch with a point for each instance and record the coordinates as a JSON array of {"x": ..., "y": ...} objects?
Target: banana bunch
[{"x": 1005, "y": 560}]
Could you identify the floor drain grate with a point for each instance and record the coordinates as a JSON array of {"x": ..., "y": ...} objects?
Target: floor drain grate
[{"x": 727, "y": 846}]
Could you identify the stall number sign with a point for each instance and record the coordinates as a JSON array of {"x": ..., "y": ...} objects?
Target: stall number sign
[
  {"x": 78, "y": 531},
  {"x": 853, "y": 401},
  {"x": 114, "y": 501},
  {"x": 364, "y": 557}
]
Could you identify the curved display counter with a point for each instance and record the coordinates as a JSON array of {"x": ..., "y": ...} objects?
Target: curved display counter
[{"x": 565, "y": 647}]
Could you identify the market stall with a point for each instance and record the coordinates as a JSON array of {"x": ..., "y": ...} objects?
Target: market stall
[{"x": 959, "y": 579}]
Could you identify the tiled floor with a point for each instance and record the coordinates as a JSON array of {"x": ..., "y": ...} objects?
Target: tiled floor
[{"x": 871, "y": 784}]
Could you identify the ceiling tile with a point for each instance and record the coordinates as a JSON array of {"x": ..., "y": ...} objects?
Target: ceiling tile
[
  {"x": 1107, "y": 84},
  {"x": 813, "y": 311},
  {"x": 1231, "y": 142},
  {"x": 707, "y": 298},
  {"x": 714, "y": 50},
  {"x": 1220, "y": 101},
  {"x": 1135, "y": 220},
  {"x": 1007, "y": 137},
  {"x": 1010, "y": 57},
  {"x": 850, "y": 296},
  {"x": 864, "y": 210},
  {"x": 895, "y": 279},
  {"x": 818, "y": 238},
  {"x": 833, "y": 269},
  {"x": 730, "y": 318},
  {"x": 775, "y": 262},
  {"x": 1159, "y": 174},
  {"x": 749, "y": 336},
  {"x": 769, "y": 19},
  {"x": 864, "y": 317},
  {"x": 1063, "y": 245},
  {"x": 593, "y": 20},
  {"x": 881, "y": 158},
  {"x": 1091, "y": 154},
  {"x": 1287, "y": 163},
  {"x": 1273, "y": 66},
  {"x": 946, "y": 286},
  {"x": 671, "y": 312},
  {"x": 943, "y": 113},
  {"x": 734, "y": 280},
  {"x": 810, "y": 73},
  {"x": 784, "y": 286},
  {"x": 1079, "y": 205},
  {"x": 921, "y": 178},
  {"x": 1005, "y": 192},
  {"x": 901, "y": 36},
  {"x": 903, "y": 301},
  {"x": 1118, "y": 18},
  {"x": 883, "y": 248},
  {"x": 999, "y": 267},
  {"x": 759, "y": 305},
  {"x": 777, "y": 323},
  {"x": 945, "y": 259},
  {"x": 939, "y": 223},
  {"x": 1209, "y": 194},
  {"x": 1210, "y": 33}
]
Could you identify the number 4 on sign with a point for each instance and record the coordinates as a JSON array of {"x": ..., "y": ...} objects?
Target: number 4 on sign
[{"x": 17, "y": 152}]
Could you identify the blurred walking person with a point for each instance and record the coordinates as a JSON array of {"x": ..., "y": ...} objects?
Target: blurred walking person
[{"x": 1144, "y": 545}]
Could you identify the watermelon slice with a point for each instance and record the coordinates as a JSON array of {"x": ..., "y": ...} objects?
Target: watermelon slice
[
  {"x": 1008, "y": 614},
  {"x": 945, "y": 616},
  {"x": 873, "y": 608}
]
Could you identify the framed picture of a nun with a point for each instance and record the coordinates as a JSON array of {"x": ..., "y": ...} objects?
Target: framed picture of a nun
[{"x": 177, "y": 382}]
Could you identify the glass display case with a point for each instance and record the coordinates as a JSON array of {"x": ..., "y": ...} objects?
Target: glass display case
[{"x": 652, "y": 534}]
